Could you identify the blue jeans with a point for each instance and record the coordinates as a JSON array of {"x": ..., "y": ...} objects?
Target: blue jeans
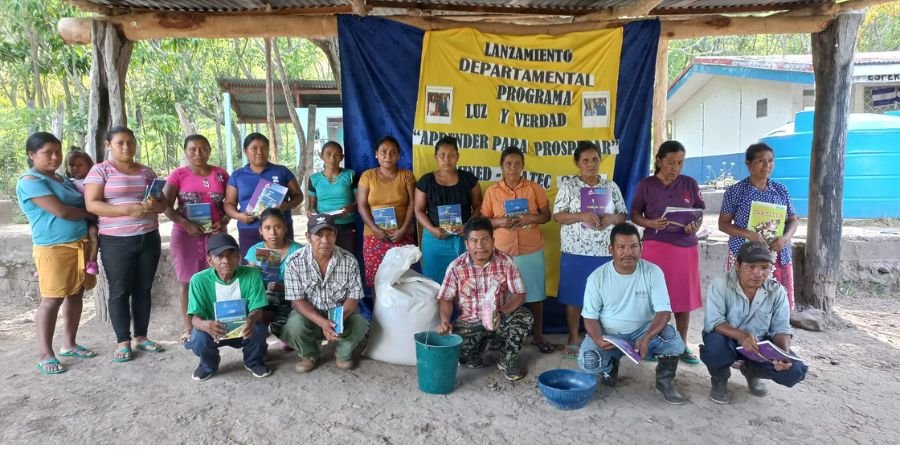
[
  {"x": 254, "y": 347},
  {"x": 719, "y": 352},
  {"x": 593, "y": 359}
]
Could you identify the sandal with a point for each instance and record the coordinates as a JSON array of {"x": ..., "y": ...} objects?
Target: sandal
[
  {"x": 50, "y": 362},
  {"x": 572, "y": 351},
  {"x": 688, "y": 357},
  {"x": 126, "y": 355},
  {"x": 150, "y": 346},
  {"x": 77, "y": 351},
  {"x": 544, "y": 346}
]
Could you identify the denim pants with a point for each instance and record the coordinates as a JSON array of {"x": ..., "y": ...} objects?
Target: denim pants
[
  {"x": 254, "y": 347},
  {"x": 130, "y": 264},
  {"x": 304, "y": 335},
  {"x": 719, "y": 352},
  {"x": 593, "y": 359}
]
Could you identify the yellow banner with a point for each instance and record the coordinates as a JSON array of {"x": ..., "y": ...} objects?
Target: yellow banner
[{"x": 540, "y": 93}]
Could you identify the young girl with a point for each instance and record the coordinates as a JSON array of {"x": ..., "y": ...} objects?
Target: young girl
[{"x": 78, "y": 164}]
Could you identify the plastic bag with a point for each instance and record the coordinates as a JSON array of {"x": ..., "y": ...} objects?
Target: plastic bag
[{"x": 405, "y": 304}]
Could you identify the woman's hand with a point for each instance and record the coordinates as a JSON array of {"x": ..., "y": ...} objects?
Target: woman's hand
[
  {"x": 380, "y": 234},
  {"x": 590, "y": 219},
  {"x": 399, "y": 234},
  {"x": 217, "y": 227},
  {"x": 751, "y": 235},
  {"x": 692, "y": 228},
  {"x": 137, "y": 210},
  {"x": 779, "y": 243},
  {"x": 192, "y": 228},
  {"x": 275, "y": 286},
  {"x": 438, "y": 232},
  {"x": 657, "y": 224},
  {"x": 246, "y": 218}
]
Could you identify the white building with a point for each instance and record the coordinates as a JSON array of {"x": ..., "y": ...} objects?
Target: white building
[{"x": 718, "y": 106}]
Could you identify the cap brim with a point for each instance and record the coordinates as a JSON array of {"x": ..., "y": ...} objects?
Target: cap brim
[{"x": 219, "y": 250}]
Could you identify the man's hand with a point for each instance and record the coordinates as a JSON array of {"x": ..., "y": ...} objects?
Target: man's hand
[
  {"x": 607, "y": 346},
  {"x": 781, "y": 366},
  {"x": 328, "y": 330},
  {"x": 274, "y": 286},
  {"x": 215, "y": 329},
  {"x": 444, "y": 328},
  {"x": 642, "y": 346},
  {"x": 749, "y": 343}
]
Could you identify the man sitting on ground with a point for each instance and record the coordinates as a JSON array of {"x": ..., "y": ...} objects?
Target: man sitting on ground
[
  {"x": 744, "y": 307},
  {"x": 627, "y": 299},
  {"x": 226, "y": 280},
  {"x": 490, "y": 294},
  {"x": 319, "y": 278}
]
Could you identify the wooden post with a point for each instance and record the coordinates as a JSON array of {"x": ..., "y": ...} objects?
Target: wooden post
[
  {"x": 109, "y": 65},
  {"x": 832, "y": 56},
  {"x": 660, "y": 95},
  {"x": 270, "y": 103}
]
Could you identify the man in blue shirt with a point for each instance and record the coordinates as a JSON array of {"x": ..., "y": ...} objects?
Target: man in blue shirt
[
  {"x": 744, "y": 307},
  {"x": 626, "y": 299}
]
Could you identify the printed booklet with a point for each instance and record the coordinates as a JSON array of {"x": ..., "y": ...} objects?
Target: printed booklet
[
  {"x": 594, "y": 199},
  {"x": 266, "y": 195},
  {"x": 767, "y": 219},
  {"x": 201, "y": 214},
  {"x": 155, "y": 188},
  {"x": 768, "y": 352},
  {"x": 269, "y": 262},
  {"x": 233, "y": 313},
  {"x": 680, "y": 217},
  {"x": 625, "y": 346},
  {"x": 336, "y": 316},
  {"x": 450, "y": 218},
  {"x": 385, "y": 218}
]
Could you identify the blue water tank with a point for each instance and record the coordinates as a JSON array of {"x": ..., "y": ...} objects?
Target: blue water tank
[{"x": 871, "y": 166}]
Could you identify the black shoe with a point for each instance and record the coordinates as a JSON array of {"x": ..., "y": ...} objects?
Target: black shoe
[
  {"x": 511, "y": 369},
  {"x": 472, "y": 363},
  {"x": 718, "y": 393},
  {"x": 665, "y": 375},
  {"x": 260, "y": 371},
  {"x": 610, "y": 379},
  {"x": 201, "y": 374},
  {"x": 754, "y": 383}
]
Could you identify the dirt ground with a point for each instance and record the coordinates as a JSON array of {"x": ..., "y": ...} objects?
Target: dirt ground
[{"x": 849, "y": 396}]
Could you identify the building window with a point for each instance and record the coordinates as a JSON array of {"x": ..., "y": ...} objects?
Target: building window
[{"x": 762, "y": 108}]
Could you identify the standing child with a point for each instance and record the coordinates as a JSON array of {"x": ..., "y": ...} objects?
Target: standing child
[{"x": 78, "y": 164}]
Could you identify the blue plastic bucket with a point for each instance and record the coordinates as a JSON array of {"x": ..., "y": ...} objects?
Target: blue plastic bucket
[{"x": 437, "y": 358}]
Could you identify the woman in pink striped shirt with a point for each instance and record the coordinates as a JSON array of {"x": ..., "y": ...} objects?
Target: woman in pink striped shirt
[{"x": 130, "y": 245}]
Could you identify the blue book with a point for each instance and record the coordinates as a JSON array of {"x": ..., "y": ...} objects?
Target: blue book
[
  {"x": 450, "y": 218},
  {"x": 516, "y": 207},
  {"x": 269, "y": 263},
  {"x": 336, "y": 316},
  {"x": 385, "y": 218},
  {"x": 266, "y": 195},
  {"x": 155, "y": 188},
  {"x": 232, "y": 313},
  {"x": 201, "y": 214}
]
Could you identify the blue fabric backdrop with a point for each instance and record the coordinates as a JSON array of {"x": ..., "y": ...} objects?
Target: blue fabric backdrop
[{"x": 380, "y": 62}]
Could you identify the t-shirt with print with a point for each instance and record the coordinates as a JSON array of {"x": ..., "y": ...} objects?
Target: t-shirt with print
[
  {"x": 334, "y": 195},
  {"x": 652, "y": 197},
  {"x": 574, "y": 238},
  {"x": 193, "y": 188},
  {"x": 206, "y": 288},
  {"x": 245, "y": 181},
  {"x": 737, "y": 201},
  {"x": 383, "y": 194},
  {"x": 440, "y": 195},
  {"x": 625, "y": 303},
  {"x": 47, "y": 229},
  {"x": 123, "y": 189}
]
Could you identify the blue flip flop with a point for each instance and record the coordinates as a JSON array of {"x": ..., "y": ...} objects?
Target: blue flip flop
[
  {"x": 124, "y": 350},
  {"x": 77, "y": 351},
  {"x": 48, "y": 361},
  {"x": 150, "y": 346}
]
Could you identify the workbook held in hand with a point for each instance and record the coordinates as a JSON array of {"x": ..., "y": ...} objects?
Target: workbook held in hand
[
  {"x": 450, "y": 218},
  {"x": 232, "y": 313},
  {"x": 155, "y": 188},
  {"x": 269, "y": 262},
  {"x": 385, "y": 218},
  {"x": 336, "y": 316},
  {"x": 625, "y": 346},
  {"x": 266, "y": 195},
  {"x": 767, "y": 219},
  {"x": 595, "y": 200},
  {"x": 768, "y": 352},
  {"x": 201, "y": 214},
  {"x": 680, "y": 217}
]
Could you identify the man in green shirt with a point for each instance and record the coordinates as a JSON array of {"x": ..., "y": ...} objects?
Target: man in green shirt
[{"x": 225, "y": 281}]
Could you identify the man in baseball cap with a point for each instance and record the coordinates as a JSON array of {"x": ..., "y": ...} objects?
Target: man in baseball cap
[{"x": 744, "y": 308}]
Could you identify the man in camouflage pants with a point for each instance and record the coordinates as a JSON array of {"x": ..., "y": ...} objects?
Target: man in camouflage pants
[{"x": 488, "y": 289}]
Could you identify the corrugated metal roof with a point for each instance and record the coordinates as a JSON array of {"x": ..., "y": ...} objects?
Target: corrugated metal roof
[
  {"x": 248, "y": 97},
  {"x": 550, "y": 7}
]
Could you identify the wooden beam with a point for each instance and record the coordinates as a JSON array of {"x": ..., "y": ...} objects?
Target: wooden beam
[
  {"x": 857, "y": 5},
  {"x": 359, "y": 7},
  {"x": 660, "y": 94},
  {"x": 138, "y": 27},
  {"x": 270, "y": 102},
  {"x": 832, "y": 56}
]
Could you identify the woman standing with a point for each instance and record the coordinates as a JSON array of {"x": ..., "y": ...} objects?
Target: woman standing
[
  {"x": 518, "y": 234},
  {"x": 56, "y": 214},
  {"x": 735, "y": 214},
  {"x": 271, "y": 256},
  {"x": 333, "y": 190},
  {"x": 114, "y": 190},
  {"x": 243, "y": 183},
  {"x": 445, "y": 187},
  {"x": 584, "y": 235},
  {"x": 203, "y": 186},
  {"x": 672, "y": 247},
  {"x": 386, "y": 186}
]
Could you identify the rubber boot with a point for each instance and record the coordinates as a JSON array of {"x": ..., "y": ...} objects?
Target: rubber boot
[
  {"x": 610, "y": 379},
  {"x": 665, "y": 374},
  {"x": 719, "y": 391},
  {"x": 754, "y": 382}
]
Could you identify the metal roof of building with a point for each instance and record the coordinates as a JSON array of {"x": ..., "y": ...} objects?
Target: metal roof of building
[{"x": 248, "y": 97}]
